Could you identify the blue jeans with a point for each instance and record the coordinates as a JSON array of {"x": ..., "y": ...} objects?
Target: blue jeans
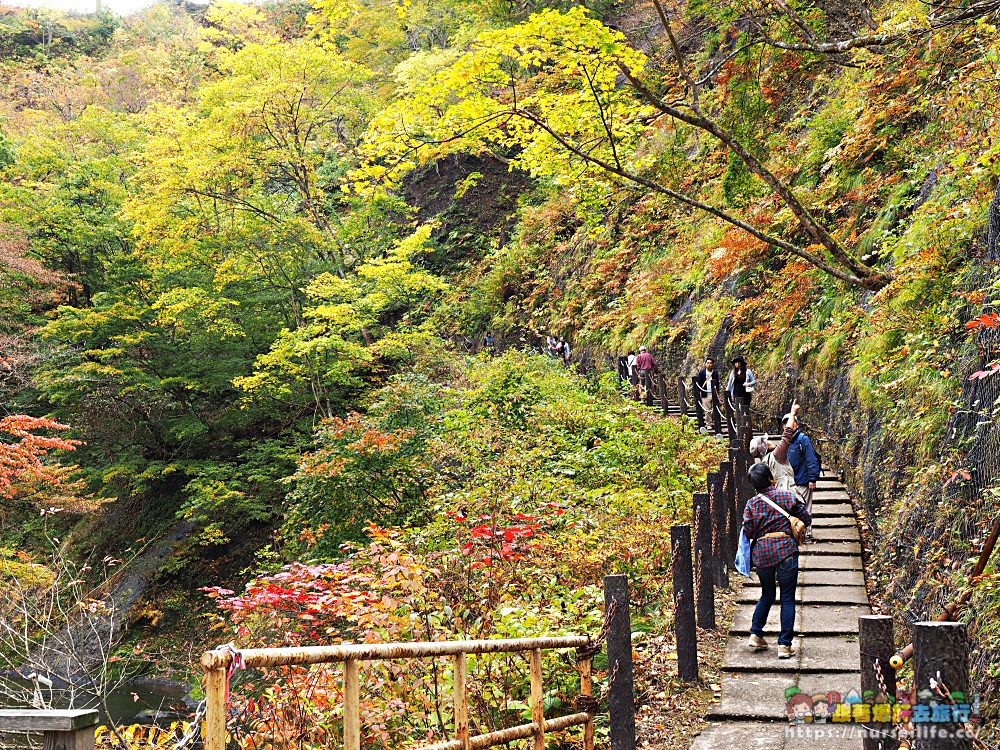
[{"x": 787, "y": 574}]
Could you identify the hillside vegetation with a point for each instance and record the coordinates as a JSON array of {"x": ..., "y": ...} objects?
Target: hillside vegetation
[{"x": 248, "y": 253}]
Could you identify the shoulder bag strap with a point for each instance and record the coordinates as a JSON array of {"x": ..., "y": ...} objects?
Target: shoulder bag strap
[{"x": 774, "y": 505}]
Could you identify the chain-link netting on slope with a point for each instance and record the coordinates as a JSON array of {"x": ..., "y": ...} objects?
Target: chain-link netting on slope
[{"x": 975, "y": 425}]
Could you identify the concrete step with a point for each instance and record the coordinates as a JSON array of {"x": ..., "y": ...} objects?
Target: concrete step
[
  {"x": 777, "y": 735},
  {"x": 832, "y": 509},
  {"x": 830, "y": 548},
  {"x": 829, "y": 562},
  {"x": 818, "y": 578},
  {"x": 836, "y": 534},
  {"x": 816, "y": 654},
  {"x": 827, "y": 497},
  {"x": 810, "y": 619},
  {"x": 806, "y": 594},
  {"x": 834, "y": 522},
  {"x": 761, "y": 697}
]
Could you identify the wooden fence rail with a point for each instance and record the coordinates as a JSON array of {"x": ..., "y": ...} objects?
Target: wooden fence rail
[
  {"x": 217, "y": 663},
  {"x": 70, "y": 729}
]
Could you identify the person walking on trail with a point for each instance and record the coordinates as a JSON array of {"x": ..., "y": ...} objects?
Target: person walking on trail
[
  {"x": 774, "y": 554},
  {"x": 553, "y": 346},
  {"x": 564, "y": 349},
  {"x": 488, "y": 344},
  {"x": 645, "y": 365},
  {"x": 630, "y": 361},
  {"x": 708, "y": 390},
  {"x": 775, "y": 456},
  {"x": 805, "y": 463},
  {"x": 742, "y": 381}
]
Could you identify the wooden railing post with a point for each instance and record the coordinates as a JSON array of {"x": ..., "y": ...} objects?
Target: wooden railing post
[
  {"x": 718, "y": 509},
  {"x": 729, "y": 503},
  {"x": 352, "y": 706},
  {"x": 704, "y": 561},
  {"x": 878, "y": 678},
  {"x": 536, "y": 701},
  {"x": 586, "y": 666},
  {"x": 214, "y": 728},
  {"x": 941, "y": 658},
  {"x": 684, "y": 626},
  {"x": 621, "y": 680},
  {"x": 682, "y": 397},
  {"x": 461, "y": 699},
  {"x": 664, "y": 406}
]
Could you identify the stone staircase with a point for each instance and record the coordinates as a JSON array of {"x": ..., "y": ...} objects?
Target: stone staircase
[{"x": 831, "y": 595}]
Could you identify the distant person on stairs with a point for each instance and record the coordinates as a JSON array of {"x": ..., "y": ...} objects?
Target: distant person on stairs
[
  {"x": 741, "y": 381},
  {"x": 775, "y": 457},
  {"x": 645, "y": 365},
  {"x": 806, "y": 464},
  {"x": 774, "y": 554},
  {"x": 708, "y": 386}
]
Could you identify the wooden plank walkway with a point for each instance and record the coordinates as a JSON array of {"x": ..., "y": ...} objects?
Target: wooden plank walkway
[{"x": 751, "y": 714}]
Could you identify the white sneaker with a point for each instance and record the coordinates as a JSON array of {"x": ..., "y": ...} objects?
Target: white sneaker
[
  {"x": 703, "y": 430},
  {"x": 756, "y": 643},
  {"x": 786, "y": 652}
]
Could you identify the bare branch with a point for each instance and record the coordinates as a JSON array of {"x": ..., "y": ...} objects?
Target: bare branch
[{"x": 679, "y": 56}]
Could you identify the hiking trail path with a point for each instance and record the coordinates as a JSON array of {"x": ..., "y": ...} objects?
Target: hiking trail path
[{"x": 830, "y": 596}]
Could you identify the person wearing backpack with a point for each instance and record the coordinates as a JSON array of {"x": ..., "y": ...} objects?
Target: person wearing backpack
[
  {"x": 805, "y": 463},
  {"x": 774, "y": 521}
]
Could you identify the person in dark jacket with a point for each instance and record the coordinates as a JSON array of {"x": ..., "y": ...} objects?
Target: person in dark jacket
[
  {"x": 742, "y": 381},
  {"x": 774, "y": 554},
  {"x": 806, "y": 465},
  {"x": 708, "y": 383}
]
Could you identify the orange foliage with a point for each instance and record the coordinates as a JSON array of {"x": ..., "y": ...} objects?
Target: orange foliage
[
  {"x": 737, "y": 250},
  {"x": 21, "y": 459}
]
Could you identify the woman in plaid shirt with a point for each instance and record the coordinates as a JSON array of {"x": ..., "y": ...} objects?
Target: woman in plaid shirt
[{"x": 774, "y": 554}]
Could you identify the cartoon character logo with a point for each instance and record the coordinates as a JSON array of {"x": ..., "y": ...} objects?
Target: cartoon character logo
[
  {"x": 821, "y": 708},
  {"x": 798, "y": 706}
]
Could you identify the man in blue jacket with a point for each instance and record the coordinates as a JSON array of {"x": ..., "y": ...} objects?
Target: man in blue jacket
[{"x": 805, "y": 463}]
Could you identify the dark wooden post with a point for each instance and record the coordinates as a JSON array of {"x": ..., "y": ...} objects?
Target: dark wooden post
[
  {"x": 704, "y": 561},
  {"x": 647, "y": 387},
  {"x": 684, "y": 627},
  {"x": 621, "y": 689},
  {"x": 61, "y": 729},
  {"x": 681, "y": 396},
  {"x": 940, "y": 654},
  {"x": 729, "y": 502},
  {"x": 664, "y": 406},
  {"x": 718, "y": 504},
  {"x": 878, "y": 678}
]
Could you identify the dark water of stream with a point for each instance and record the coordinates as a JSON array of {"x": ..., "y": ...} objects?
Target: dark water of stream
[
  {"x": 144, "y": 701},
  {"x": 150, "y": 702}
]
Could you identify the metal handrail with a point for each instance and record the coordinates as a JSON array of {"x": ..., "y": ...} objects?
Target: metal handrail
[{"x": 218, "y": 663}]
